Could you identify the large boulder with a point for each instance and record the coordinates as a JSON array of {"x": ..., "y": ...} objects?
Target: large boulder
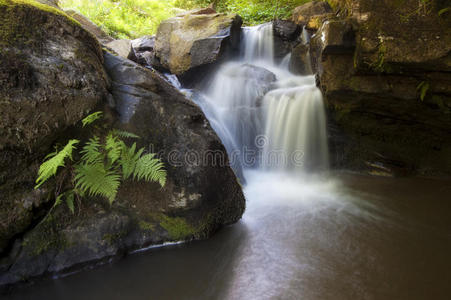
[
  {"x": 201, "y": 193},
  {"x": 385, "y": 73},
  {"x": 196, "y": 39},
  {"x": 51, "y": 76}
]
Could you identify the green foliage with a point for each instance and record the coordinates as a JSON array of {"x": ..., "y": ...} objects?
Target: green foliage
[
  {"x": 55, "y": 160},
  {"x": 103, "y": 164},
  {"x": 252, "y": 11},
  {"x": 135, "y": 18},
  {"x": 443, "y": 11},
  {"x": 423, "y": 87},
  {"x": 124, "y": 18},
  {"x": 92, "y": 118}
]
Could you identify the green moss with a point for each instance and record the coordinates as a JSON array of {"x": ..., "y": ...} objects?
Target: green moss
[
  {"x": 177, "y": 227},
  {"x": 44, "y": 237},
  {"x": 146, "y": 226},
  {"x": 14, "y": 27},
  {"x": 112, "y": 238}
]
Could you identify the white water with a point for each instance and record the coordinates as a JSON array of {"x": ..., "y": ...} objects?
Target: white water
[{"x": 272, "y": 124}]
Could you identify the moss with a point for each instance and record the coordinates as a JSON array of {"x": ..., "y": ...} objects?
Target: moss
[
  {"x": 146, "y": 226},
  {"x": 112, "y": 238},
  {"x": 177, "y": 227},
  {"x": 45, "y": 237},
  {"x": 17, "y": 22}
]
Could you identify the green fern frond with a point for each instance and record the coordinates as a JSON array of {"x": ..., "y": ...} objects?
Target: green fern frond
[
  {"x": 96, "y": 180},
  {"x": 124, "y": 134},
  {"x": 92, "y": 118},
  {"x": 129, "y": 159},
  {"x": 56, "y": 160},
  {"x": 150, "y": 168},
  {"x": 113, "y": 147},
  {"x": 70, "y": 201},
  {"x": 92, "y": 152},
  {"x": 423, "y": 87}
]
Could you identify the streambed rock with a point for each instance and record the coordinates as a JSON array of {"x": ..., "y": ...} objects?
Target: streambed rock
[{"x": 196, "y": 39}]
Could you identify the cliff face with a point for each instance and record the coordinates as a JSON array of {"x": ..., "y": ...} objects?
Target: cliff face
[{"x": 384, "y": 68}]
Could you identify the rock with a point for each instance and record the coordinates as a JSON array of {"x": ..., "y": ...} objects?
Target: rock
[
  {"x": 302, "y": 15},
  {"x": 122, "y": 48},
  {"x": 152, "y": 108},
  {"x": 194, "y": 40},
  {"x": 43, "y": 94},
  {"x": 145, "y": 43},
  {"x": 144, "y": 51},
  {"x": 286, "y": 30},
  {"x": 372, "y": 67},
  {"x": 91, "y": 27},
  {"x": 201, "y": 193},
  {"x": 300, "y": 60}
]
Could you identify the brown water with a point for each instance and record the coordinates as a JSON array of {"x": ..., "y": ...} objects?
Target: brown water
[{"x": 352, "y": 237}]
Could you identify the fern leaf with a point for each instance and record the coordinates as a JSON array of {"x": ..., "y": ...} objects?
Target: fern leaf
[
  {"x": 91, "y": 152},
  {"x": 444, "y": 10},
  {"x": 92, "y": 118},
  {"x": 70, "y": 201},
  {"x": 124, "y": 134},
  {"x": 423, "y": 87},
  {"x": 129, "y": 159},
  {"x": 50, "y": 166},
  {"x": 96, "y": 180},
  {"x": 114, "y": 147},
  {"x": 150, "y": 168}
]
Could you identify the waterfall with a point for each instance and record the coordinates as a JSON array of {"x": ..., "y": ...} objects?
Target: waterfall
[
  {"x": 258, "y": 43},
  {"x": 266, "y": 117}
]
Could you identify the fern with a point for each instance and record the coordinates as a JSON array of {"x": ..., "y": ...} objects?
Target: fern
[
  {"x": 129, "y": 159},
  {"x": 69, "y": 195},
  {"x": 423, "y": 87},
  {"x": 91, "y": 152},
  {"x": 113, "y": 147},
  {"x": 92, "y": 118},
  {"x": 96, "y": 180},
  {"x": 124, "y": 134},
  {"x": 55, "y": 160},
  {"x": 149, "y": 168},
  {"x": 103, "y": 165}
]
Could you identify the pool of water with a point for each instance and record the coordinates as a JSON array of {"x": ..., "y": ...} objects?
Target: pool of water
[{"x": 343, "y": 237}]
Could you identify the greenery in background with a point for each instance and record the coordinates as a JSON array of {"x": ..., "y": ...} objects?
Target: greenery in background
[
  {"x": 252, "y": 11},
  {"x": 135, "y": 18},
  {"x": 103, "y": 164},
  {"x": 124, "y": 18}
]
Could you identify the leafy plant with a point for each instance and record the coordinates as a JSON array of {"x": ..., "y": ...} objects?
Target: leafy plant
[
  {"x": 423, "y": 87},
  {"x": 103, "y": 165}
]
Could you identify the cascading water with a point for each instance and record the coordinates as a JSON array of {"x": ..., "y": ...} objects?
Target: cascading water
[{"x": 266, "y": 116}]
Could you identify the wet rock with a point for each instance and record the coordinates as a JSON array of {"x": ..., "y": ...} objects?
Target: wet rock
[
  {"x": 286, "y": 30},
  {"x": 193, "y": 40},
  {"x": 42, "y": 94},
  {"x": 300, "y": 60}
]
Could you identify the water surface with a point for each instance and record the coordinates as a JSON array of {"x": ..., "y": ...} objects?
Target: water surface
[{"x": 352, "y": 237}]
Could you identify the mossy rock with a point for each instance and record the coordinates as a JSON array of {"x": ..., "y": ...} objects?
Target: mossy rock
[{"x": 51, "y": 76}]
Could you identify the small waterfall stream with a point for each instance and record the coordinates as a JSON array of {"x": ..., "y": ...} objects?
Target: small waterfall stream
[{"x": 266, "y": 116}]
